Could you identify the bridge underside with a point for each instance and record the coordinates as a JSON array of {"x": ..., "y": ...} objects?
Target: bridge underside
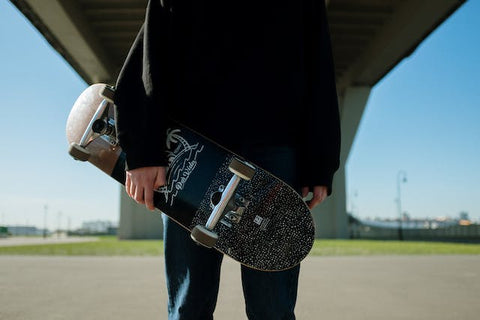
[{"x": 369, "y": 38}]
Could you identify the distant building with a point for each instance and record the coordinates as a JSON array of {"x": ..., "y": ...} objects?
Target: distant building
[
  {"x": 25, "y": 231},
  {"x": 438, "y": 229},
  {"x": 99, "y": 227}
]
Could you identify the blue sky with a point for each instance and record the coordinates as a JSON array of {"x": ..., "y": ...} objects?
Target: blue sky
[
  {"x": 37, "y": 89},
  {"x": 422, "y": 118}
]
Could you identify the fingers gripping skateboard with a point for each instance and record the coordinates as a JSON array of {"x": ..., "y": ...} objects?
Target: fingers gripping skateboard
[{"x": 204, "y": 235}]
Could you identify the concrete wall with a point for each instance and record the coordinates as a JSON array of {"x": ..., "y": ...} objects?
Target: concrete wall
[{"x": 136, "y": 222}]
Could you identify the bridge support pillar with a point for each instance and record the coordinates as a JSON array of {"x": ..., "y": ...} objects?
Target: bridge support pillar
[{"x": 331, "y": 217}]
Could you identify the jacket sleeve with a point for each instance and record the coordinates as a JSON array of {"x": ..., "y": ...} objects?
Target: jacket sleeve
[
  {"x": 141, "y": 92},
  {"x": 320, "y": 155}
]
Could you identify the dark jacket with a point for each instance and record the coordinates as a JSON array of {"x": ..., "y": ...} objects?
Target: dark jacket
[{"x": 238, "y": 72}]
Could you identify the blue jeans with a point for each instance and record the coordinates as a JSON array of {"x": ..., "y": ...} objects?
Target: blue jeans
[{"x": 193, "y": 272}]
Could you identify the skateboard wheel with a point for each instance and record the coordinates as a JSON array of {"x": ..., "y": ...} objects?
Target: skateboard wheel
[
  {"x": 203, "y": 236},
  {"x": 108, "y": 93},
  {"x": 241, "y": 169},
  {"x": 78, "y": 152}
]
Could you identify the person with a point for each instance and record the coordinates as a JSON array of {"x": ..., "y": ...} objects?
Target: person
[{"x": 257, "y": 78}]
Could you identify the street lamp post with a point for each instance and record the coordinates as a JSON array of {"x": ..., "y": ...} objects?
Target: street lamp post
[
  {"x": 45, "y": 209},
  {"x": 59, "y": 216},
  {"x": 401, "y": 177}
]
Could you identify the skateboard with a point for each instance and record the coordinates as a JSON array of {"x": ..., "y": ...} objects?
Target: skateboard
[{"x": 224, "y": 201}]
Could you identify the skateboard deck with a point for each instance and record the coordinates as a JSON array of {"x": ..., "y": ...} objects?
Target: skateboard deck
[{"x": 225, "y": 202}]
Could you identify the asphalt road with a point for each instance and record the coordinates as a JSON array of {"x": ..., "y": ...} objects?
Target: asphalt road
[{"x": 373, "y": 287}]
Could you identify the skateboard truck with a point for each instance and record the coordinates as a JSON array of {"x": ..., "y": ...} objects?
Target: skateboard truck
[
  {"x": 234, "y": 211},
  {"x": 100, "y": 125},
  {"x": 204, "y": 235}
]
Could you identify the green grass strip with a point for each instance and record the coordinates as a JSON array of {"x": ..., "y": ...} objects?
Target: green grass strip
[
  {"x": 105, "y": 246},
  {"x": 110, "y": 246},
  {"x": 378, "y": 247}
]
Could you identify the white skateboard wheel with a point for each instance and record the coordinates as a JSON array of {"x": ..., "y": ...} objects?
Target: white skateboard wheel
[
  {"x": 108, "y": 93},
  {"x": 241, "y": 169},
  {"x": 204, "y": 236},
  {"x": 78, "y": 152}
]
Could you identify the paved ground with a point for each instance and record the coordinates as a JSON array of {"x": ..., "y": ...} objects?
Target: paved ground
[
  {"x": 21, "y": 241},
  {"x": 386, "y": 287}
]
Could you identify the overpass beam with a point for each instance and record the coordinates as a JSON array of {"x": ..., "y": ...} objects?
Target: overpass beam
[{"x": 64, "y": 26}]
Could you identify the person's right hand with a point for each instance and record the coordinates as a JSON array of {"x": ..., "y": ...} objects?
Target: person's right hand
[
  {"x": 141, "y": 183},
  {"x": 320, "y": 193}
]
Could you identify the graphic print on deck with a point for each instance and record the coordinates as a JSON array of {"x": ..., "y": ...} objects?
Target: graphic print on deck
[{"x": 182, "y": 161}]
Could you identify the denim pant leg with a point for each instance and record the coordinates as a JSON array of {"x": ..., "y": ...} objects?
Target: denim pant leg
[
  {"x": 192, "y": 275},
  {"x": 272, "y": 295},
  {"x": 193, "y": 272}
]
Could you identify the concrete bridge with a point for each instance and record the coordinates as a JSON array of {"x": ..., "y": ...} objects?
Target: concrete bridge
[{"x": 369, "y": 38}]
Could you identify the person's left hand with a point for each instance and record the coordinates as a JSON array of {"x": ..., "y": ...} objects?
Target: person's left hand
[
  {"x": 319, "y": 194},
  {"x": 140, "y": 184}
]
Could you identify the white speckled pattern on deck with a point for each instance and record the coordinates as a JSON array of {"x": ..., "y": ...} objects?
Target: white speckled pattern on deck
[{"x": 276, "y": 230}]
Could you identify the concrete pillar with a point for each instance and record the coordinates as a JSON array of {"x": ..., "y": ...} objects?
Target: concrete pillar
[
  {"x": 136, "y": 222},
  {"x": 331, "y": 219}
]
